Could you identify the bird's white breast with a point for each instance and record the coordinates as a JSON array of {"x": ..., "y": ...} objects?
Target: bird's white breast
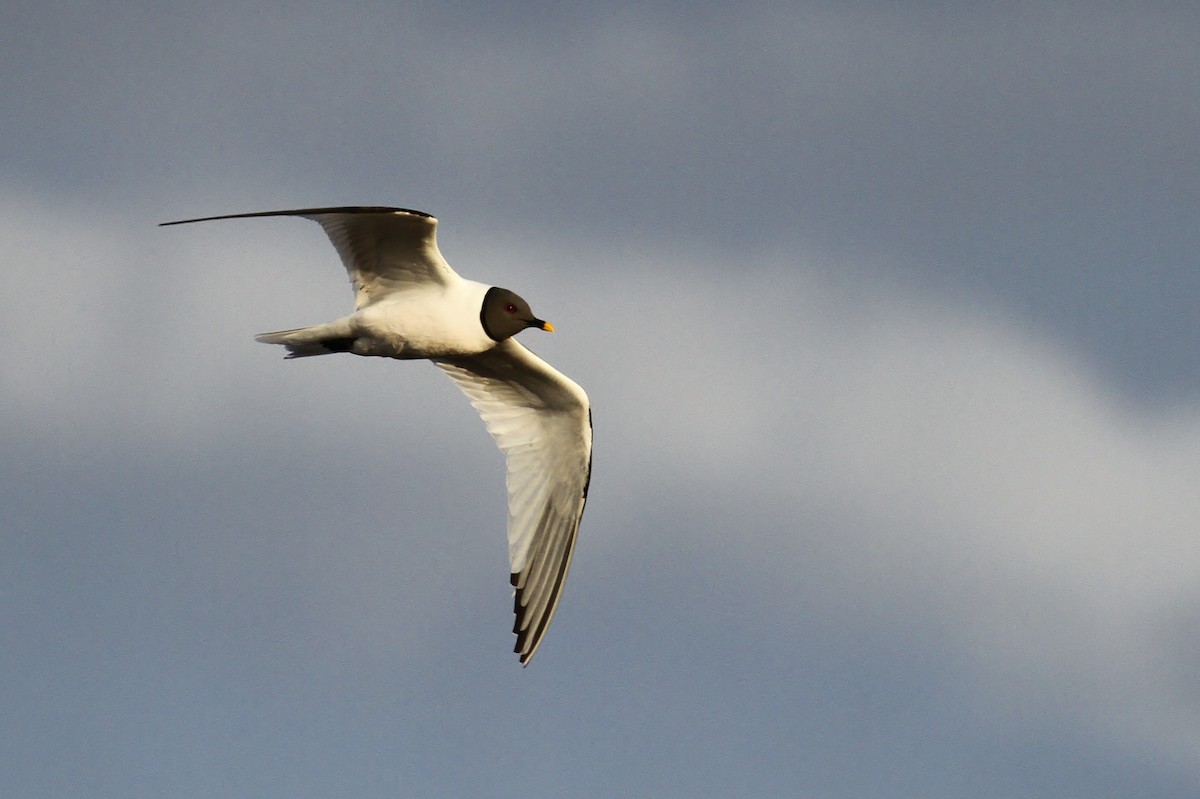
[{"x": 430, "y": 322}]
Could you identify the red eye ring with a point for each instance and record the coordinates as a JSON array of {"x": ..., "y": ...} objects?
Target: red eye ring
[{"x": 510, "y": 308}]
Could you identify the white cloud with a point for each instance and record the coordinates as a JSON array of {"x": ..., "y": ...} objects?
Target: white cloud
[
  {"x": 976, "y": 476},
  {"x": 899, "y": 456},
  {"x": 967, "y": 472}
]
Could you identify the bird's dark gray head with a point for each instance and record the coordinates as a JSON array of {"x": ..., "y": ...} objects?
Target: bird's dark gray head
[{"x": 505, "y": 314}]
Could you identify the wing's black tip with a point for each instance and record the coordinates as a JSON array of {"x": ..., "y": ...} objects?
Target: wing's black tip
[{"x": 345, "y": 209}]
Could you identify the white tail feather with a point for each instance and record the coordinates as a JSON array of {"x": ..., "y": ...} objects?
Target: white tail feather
[{"x": 302, "y": 342}]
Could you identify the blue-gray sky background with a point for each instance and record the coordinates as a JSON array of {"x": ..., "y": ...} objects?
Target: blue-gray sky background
[{"x": 889, "y": 319}]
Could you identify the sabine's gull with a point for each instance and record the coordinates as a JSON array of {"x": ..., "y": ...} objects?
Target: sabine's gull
[{"x": 409, "y": 304}]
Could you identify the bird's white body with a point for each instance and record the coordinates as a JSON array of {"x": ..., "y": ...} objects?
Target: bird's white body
[
  {"x": 434, "y": 321},
  {"x": 409, "y": 304},
  {"x": 429, "y": 323}
]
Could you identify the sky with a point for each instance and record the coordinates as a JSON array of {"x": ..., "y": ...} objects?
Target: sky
[{"x": 887, "y": 312}]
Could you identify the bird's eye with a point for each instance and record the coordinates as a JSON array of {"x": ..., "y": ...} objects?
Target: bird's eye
[{"x": 510, "y": 308}]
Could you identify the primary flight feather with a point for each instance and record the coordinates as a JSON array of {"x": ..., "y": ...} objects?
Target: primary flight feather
[{"x": 409, "y": 304}]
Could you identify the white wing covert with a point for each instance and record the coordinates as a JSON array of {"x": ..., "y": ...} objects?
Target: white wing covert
[
  {"x": 385, "y": 250},
  {"x": 541, "y": 421}
]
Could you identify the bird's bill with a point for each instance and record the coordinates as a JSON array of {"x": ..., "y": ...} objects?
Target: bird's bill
[{"x": 544, "y": 325}]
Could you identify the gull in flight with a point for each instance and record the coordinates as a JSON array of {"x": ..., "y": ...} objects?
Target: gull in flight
[{"x": 409, "y": 304}]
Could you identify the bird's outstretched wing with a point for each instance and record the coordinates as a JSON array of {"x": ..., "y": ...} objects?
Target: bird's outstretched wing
[
  {"x": 541, "y": 420},
  {"x": 384, "y": 250}
]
